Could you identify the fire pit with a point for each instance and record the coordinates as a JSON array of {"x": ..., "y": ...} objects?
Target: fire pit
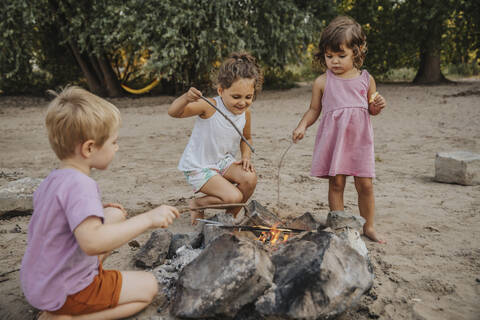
[{"x": 281, "y": 272}]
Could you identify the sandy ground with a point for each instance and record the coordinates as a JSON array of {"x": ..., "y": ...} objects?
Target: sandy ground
[{"x": 430, "y": 267}]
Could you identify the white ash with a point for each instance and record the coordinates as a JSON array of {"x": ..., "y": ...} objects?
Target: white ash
[{"x": 167, "y": 273}]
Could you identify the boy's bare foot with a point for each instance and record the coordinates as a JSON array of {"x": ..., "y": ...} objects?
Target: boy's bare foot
[
  {"x": 372, "y": 235},
  {"x": 195, "y": 214}
]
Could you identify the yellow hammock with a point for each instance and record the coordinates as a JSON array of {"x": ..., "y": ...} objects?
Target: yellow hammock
[{"x": 143, "y": 90}]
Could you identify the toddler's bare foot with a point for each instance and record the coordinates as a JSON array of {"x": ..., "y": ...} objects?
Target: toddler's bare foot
[
  {"x": 372, "y": 235},
  {"x": 195, "y": 214}
]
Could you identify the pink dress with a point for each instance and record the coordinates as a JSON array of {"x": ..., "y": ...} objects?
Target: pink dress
[{"x": 344, "y": 142}]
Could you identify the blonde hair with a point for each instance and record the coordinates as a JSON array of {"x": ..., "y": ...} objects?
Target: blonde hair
[
  {"x": 346, "y": 31},
  {"x": 75, "y": 116}
]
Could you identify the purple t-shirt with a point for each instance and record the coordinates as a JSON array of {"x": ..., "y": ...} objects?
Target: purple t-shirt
[{"x": 54, "y": 266}]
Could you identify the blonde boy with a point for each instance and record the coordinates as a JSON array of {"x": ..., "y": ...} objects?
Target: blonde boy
[{"x": 70, "y": 231}]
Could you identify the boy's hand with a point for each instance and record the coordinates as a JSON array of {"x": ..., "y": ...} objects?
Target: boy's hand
[
  {"x": 246, "y": 164},
  {"x": 193, "y": 94},
  {"x": 163, "y": 216},
  {"x": 298, "y": 134},
  {"x": 115, "y": 205}
]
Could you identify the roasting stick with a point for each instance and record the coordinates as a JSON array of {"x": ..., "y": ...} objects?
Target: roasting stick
[
  {"x": 228, "y": 119},
  {"x": 278, "y": 172},
  {"x": 215, "y": 206}
]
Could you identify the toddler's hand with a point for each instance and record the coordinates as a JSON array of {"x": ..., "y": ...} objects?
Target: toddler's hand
[
  {"x": 246, "y": 164},
  {"x": 193, "y": 94},
  {"x": 163, "y": 216},
  {"x": 298, "y": 134},
  {"x": 376, "y": 104}
]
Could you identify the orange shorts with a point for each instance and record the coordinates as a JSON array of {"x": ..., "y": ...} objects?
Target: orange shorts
[{"x": 103, "y": 293}]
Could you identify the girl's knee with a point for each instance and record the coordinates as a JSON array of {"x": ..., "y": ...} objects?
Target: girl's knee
[{"x": 233, "y": 197}]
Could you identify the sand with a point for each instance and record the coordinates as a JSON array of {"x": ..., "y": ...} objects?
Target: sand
[{"x": 430, "y": 266}]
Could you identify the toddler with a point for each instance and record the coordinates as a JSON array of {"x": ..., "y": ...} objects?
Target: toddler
[
  {"x": 345, "y": 95},
  {"x": 70, "y": 232},
  {"x": 208, "y": 161}
]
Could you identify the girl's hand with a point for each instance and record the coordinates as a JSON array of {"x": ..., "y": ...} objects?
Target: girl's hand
[
  {"x": 246, "y": 164},
  {"x": 298, "y": 134},
  {"x": 163, "y": 216},
  {"x": 193, "y": 94}
]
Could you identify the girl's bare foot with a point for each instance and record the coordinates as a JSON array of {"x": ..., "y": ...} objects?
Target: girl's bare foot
[
  {"x": 370, "y": 233},
  {"x": 195, "y": 214}
]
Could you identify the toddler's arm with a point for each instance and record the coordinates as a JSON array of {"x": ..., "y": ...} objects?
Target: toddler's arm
[
  {"x": 189, "y": 104},
  {"x": 96, "y": 238},
  {"x": 313, "y": 112},
  {"x": 376, "y": 102}
]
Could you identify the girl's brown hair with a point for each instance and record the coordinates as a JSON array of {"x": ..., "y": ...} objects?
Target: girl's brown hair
[
  {"x": 345, "y": 31},
  {"x": 239, "y": 65}
]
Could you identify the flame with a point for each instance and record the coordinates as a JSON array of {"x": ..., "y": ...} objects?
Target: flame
[{"x": 272, "y": 235}]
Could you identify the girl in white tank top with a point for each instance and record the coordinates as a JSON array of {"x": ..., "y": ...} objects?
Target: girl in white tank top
[{"x": 208, "y": 161}]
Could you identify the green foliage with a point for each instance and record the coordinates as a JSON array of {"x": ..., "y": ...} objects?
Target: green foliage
[{"x": 183, "y": 41}]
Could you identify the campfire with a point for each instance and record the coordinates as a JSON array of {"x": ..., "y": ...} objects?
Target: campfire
[{"x": 251, "y": 270}]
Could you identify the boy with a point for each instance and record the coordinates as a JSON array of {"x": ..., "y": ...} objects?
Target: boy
[{"x": 70, "y": 232}]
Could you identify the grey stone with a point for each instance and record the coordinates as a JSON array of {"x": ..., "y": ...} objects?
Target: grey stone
[
  {"x": 341, "y": 219},
  {"x": 306, "y": 222},
  {"x": 317, "y": 276},
  {"x": 461, "y": 167},
  {"x": 17, "y": 195},
  {"x": 155, "y": 250},
  {"x": 259, "y": 215},
  {"x": 230, "y": 273}
]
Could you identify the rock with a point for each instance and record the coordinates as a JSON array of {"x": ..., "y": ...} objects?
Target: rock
[
  {"x": 317, "y": 276},
  {"x": 17, "y": 195},
  {"x": 341, "y": 219},
  {"x": 229, "y": 274},
  {"x": 306, "y": 222},
  {"x": 352, "y": 237},
  {"x": 461, "y": 167},
  {"x": 155, "y": 251}
]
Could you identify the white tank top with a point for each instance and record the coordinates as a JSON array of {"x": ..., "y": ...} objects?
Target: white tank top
[{"x": 212, "y": 139}]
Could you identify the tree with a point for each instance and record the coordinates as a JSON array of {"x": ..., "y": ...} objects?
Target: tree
[{"x": 417, "y": 33}]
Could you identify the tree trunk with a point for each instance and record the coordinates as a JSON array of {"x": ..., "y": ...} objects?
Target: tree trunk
[
  {"x": 93, "y": 82},
  {"x": 429, "y": 70},
  {"x": 110, "y": 79}
]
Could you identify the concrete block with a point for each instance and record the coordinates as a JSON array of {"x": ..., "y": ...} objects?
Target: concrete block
[{"x": 461, "y": 167}]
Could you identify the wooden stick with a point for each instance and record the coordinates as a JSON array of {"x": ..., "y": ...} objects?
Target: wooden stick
[
  {"x": 278, "y": 173},
  {"x": 215, "y": 206},
  {"x": 228, "y": 119}
]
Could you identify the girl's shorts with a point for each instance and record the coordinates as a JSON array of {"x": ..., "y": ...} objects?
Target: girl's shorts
[
  {"x": 103, "y": 293},
  {"x": 197, "y": 178}
]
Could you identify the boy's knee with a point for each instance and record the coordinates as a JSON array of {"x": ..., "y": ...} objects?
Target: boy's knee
[
  {"x": 113, "y": 215},
  {"x": 153, "y": 287}
]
